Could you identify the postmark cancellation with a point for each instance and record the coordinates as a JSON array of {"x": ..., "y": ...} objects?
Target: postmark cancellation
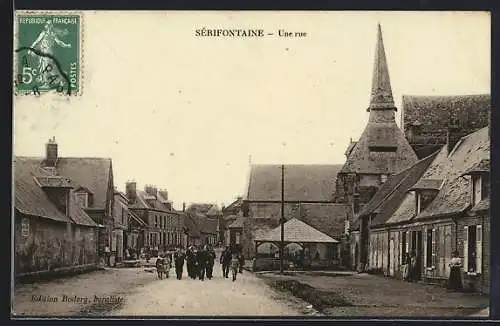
[{"x": 48, "y": 53}]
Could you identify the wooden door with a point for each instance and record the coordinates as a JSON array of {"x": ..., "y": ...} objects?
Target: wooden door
[{"x": 391, "y": 257}]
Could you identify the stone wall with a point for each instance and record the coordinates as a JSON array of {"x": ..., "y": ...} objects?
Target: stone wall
[{"x": 43, "y": 245}]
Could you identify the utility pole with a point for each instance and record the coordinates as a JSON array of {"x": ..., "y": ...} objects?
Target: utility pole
[{"x": 282, "y": 220}]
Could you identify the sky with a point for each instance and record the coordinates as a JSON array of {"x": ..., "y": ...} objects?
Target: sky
[{"x": 189, "y": 114}]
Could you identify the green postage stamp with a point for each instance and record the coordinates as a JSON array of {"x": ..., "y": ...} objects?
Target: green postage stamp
[{"x": 48, "y": 53}]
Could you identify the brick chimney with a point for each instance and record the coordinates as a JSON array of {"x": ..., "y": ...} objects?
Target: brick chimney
[
  {"x": 151, "y": 190},
  {"x": 131, "y": 191},
  {"x": 163, "y": 193},
  {"x": 183, "y": 207},
  {"x": 51, "y": 152},
  {"x": 454, "y": 134}
]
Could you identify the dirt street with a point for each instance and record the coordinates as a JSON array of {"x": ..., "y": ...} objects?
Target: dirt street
[
  {"x": 352, "y": 294},
  {"x": 248, "y": 296},
  {"x": 133, "y": 291}
]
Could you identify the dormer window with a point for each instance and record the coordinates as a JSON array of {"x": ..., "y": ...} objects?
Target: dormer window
[
  {"x": 425, "y": 191},
  {"x": 480, "y": 187},
  {"x": 82, "y": 198}
]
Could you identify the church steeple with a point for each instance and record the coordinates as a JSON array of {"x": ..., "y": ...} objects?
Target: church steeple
[{"x": 381, "y": 95}]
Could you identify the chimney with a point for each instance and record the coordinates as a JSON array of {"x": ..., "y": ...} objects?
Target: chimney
[
  {"x": 453, "y": 136},
  {"x": 131, "y": 191},
  {"x": 355, "y": 203},
  {"x": 183, "y": 207},
  {"x": 163, "y": 193},
  {"x": 151, "y": 190},
  {"x": 51, "y": 152}
]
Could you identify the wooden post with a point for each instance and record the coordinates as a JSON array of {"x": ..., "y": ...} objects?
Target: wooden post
[{"x": 282, "y": 220}]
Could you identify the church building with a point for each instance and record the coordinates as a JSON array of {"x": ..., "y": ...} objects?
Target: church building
[{"x": 381, "y": 151}]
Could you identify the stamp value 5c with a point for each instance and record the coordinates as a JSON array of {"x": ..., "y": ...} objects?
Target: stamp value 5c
[{"x": 47, "y": 54}]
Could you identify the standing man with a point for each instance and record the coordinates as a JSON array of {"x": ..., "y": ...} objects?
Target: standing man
[
  {"x": 201, "y": 259},
  {"x": 190, "y": 260},
  {"x": 225, "y": 260},
  {"x": 210, "y": 262},
  {"x": 179, "y": 263}
]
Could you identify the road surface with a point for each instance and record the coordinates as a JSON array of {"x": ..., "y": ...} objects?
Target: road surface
[{"x": 247, "y": 296}]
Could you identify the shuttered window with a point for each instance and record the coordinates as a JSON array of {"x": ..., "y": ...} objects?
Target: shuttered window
[
  {"x": 434, "y": 249},
  {"x": 479, "y": 249},
  {"x": 466, "y": 249}
]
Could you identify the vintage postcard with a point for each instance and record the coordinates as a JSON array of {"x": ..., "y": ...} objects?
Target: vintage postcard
[{"x": 233, "y": 163}]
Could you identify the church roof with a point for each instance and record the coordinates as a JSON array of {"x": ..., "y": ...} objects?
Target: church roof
[
  {"x": 303, "y": 183},
  {"x": 296, "y": 231},
  {"x": 381, "y": 95},
  {"x": 382, "y": 147},
  {"x": 433, "y": 114}
]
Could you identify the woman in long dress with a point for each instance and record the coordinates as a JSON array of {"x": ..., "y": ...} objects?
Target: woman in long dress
[{"x": 455, "y": 280}]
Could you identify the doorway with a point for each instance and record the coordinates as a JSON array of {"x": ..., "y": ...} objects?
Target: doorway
[{"x": 417, "y": 247}]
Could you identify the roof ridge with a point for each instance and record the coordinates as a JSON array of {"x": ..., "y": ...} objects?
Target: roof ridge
[{"x": 404, "y": 178}]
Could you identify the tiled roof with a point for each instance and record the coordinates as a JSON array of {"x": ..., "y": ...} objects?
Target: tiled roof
[
  {"x": 483, "y": 166},
  {"x": 454, "y": 195},
  {"x": 191, "y": 225},
  {"x": 483, "y": 205},
  {"x": 433, "y": 113},
  {"x": 383, "y": 192},
  {"x": 92, "y": 173},
  {"x": 328, "y": 218},
  {"x": 238, "y": 223},
  {"x": 431, "y": 184},
  {"x": 136, "y": 218},
  {"x": 380, "y": 134},
  {"x": 296, "y": 231},
  {"x": 207, "y": 225},
  {"x": 200, "y": 208},
  {"x": 302, "y": 182},
  {"x": 234, "y": 207},
  {"x": 30, "y": 199},
  {"x": 393, "y": 199},
  {"x": 145, "y": 201}
]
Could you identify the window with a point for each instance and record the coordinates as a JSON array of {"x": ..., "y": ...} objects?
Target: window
[
  {"x": 82, "y": 198},
  {"x": 156, "y": 221},
  {"x": 25, "y": 227},
  {"x": 383, "y": 178},
  {"x": 418, "y": 200},
  {"x": 430, "y": 252},
  {"x": 164, "y": 222},
  {"x": 383, "y": 149},
  {"x": 124, "y": 215},
  {"x": 480, "y": 188},
  {"x": 473, "y": 245}
]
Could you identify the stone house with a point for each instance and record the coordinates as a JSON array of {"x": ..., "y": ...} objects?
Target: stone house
[
  {"x": 120, "y": 230},
  {"x": 135, "y": 232},
  {"x": 164, "y": 226},
  {"x": 94, "y": 188},
  {"x": 52, "y": 233},
  {"x": 434, "y": 208}
]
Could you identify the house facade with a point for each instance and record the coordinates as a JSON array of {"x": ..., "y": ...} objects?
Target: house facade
[
  {"x": 164, "y": 227},
  {"x": 92, "y": 178},
  {"x": 120, "y": 230},
  {"x": 52, "y": 233},
  {"x": 439, "y": 205}
]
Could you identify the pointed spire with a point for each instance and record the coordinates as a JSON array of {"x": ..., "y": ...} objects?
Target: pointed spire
[{"x": 381, "y": 96}]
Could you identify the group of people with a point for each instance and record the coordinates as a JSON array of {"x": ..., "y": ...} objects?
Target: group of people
[
  {"x": 234, "y": 259},
  {"x": 200, "y": 262},
  {"x": 411, "y": 270}
]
